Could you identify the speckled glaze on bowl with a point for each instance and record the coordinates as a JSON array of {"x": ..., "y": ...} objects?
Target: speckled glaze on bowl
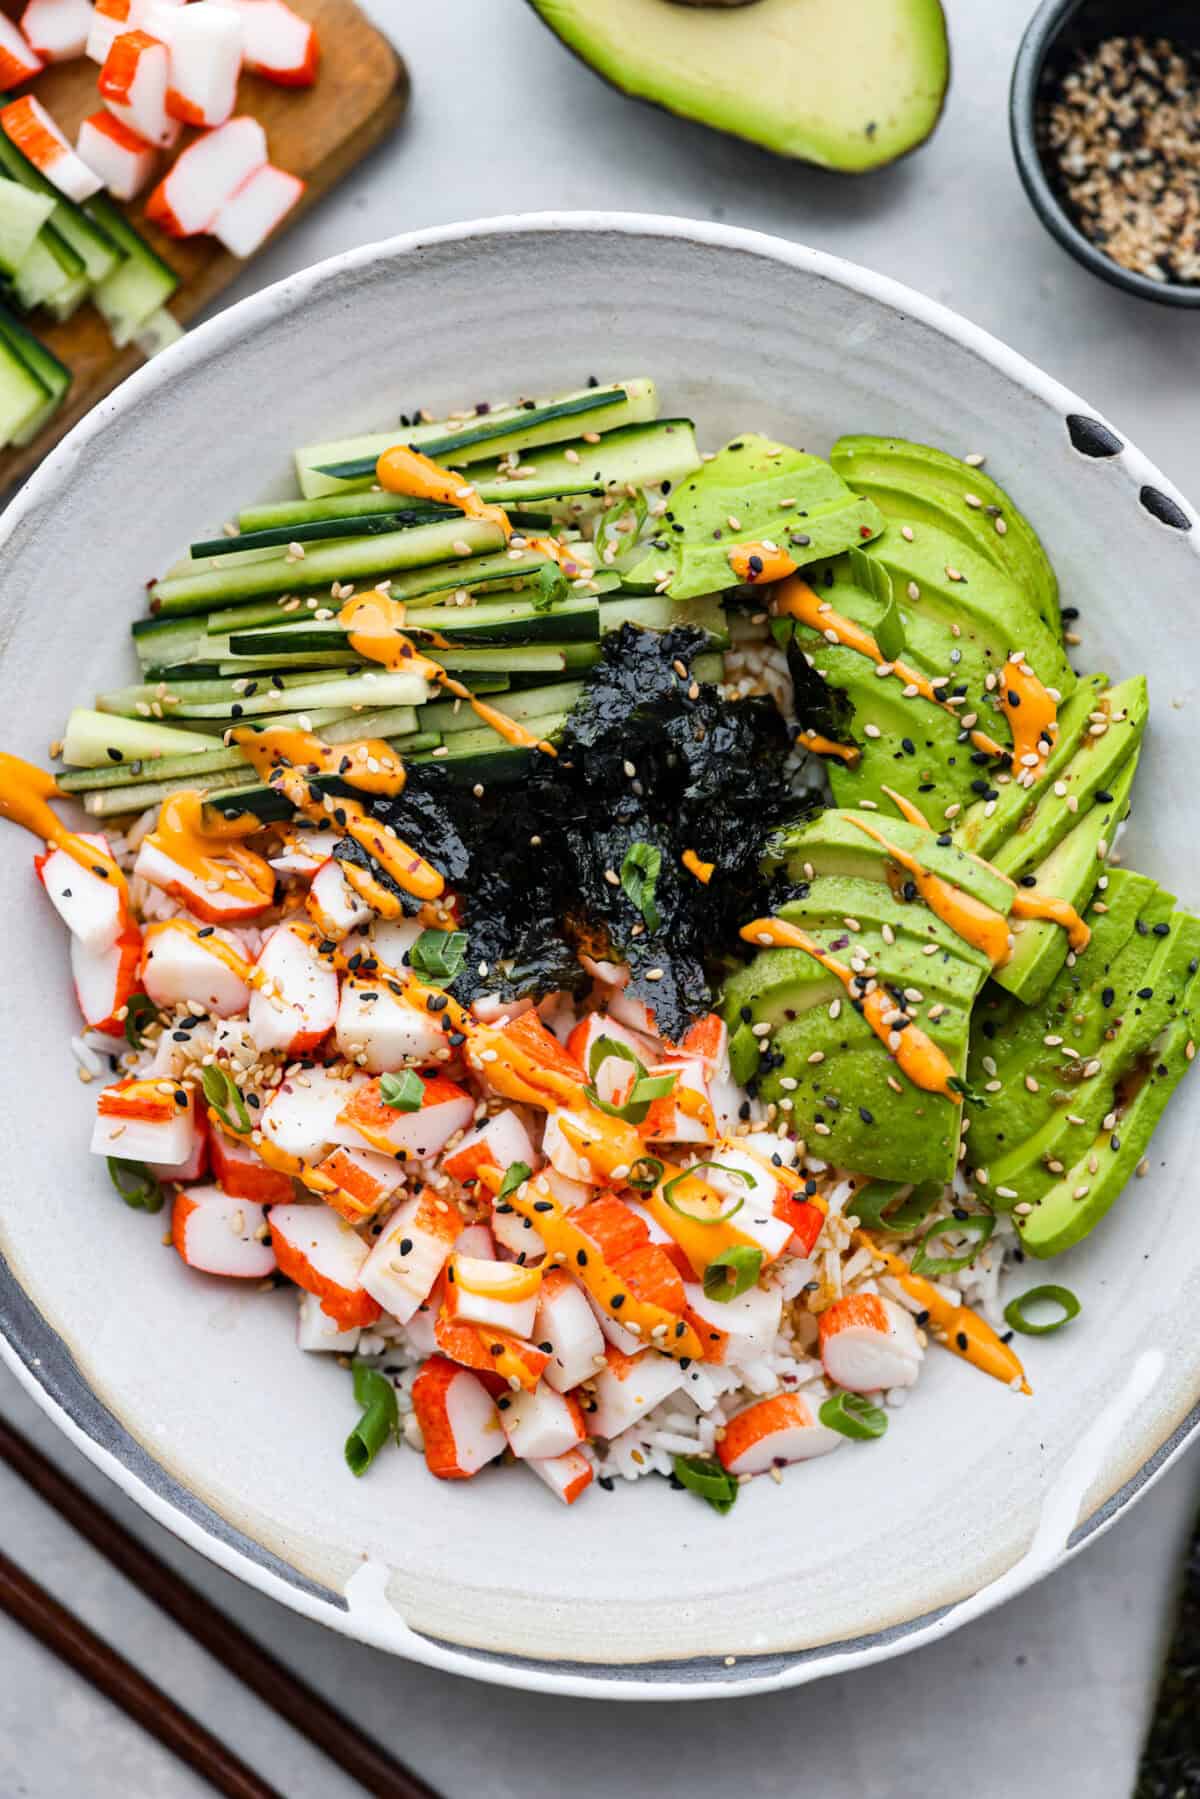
[{"x": 189, "y": 1393}]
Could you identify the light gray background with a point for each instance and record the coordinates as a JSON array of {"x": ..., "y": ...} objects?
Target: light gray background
[{"x": 1050, "y": 1694}]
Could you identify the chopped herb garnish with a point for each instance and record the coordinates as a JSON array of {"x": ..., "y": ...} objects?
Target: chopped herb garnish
[
  {"x": 708, "y": 1480},
  {"x": 140, "y": 1011},
  {"x": 439, "y": 955},
  {"x": 404, "y": 1092},
  {"x": 224, "y": 1098},
  {"x": 380, "y": 1419},
  {"x": 515, "y": 1176},
  {"x": 639, "y": 880}
]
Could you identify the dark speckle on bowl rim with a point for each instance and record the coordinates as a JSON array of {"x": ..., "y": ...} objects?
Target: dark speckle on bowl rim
[{"x": 1092, "y": 438}]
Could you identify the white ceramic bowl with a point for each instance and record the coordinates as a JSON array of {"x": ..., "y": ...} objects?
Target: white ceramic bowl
[{"x": 190, "y": 1394}]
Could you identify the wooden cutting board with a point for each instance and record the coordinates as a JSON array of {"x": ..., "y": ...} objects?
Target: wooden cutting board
[{"x": 318, "y": 133}]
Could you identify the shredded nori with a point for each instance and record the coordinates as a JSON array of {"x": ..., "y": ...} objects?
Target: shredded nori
[
  {"x": 1170, "y": 1765},
  {"x": 531, "y": 862}
]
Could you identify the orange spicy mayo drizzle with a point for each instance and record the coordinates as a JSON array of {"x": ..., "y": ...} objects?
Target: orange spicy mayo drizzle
[
  {"x": 369, "y": 764},
  {"x": 398, "y": 859},
  {"x": 827, "y": 746},
  {"x": 401, "y": 470},
  {"x": 374, "y": 623},
  {"x": 206, "y": 845},
  {"x": 1032, "y": 716},
  {"x": 963, "y": 1331},
  {"x": 981, "y": 926},
  {"x": 205, "y": 938},
  {"x": 796, "y": 599},
  {"x": 24, "y": 792},
  {"x": 917, "y": 1055},
  {"x": 695, "y": 865}
]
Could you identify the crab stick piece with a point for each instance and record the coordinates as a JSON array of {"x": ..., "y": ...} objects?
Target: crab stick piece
[
  {"x": 206, "y": 60},
  {"x": 708, "y": 1040},
  {"x": 445, "y": 1108},
  {"x": 145, "y": 1121},
  {"x": 196, "y": 1165},
  {"x": 105, "y": 980},
  {"x": 209, "y": 172},
  {"x": 213, "y": 876},
  {"x": 382, "y": 1030},
  {"x": 565, "y": 1323},
  {"x": 742, "y": 1176},
  {"x": 663, "y": 1238},
  {"x": 628, "y": 1387},
  {"x": 806, "y": 1221},
  {"x": 181, "y": 963},
  {"x": 410, "y": 1253},
  {"x": 458, "y": 1420},
  {"x": 57, "y": 29},
  {"x": 277, "y": 43},
  {"x": 257, "y": 209},
  {"x": 628, "y": 1010},
  {"x": 542, "y": 1423},
  {"x": 594, "y": 1025},
  {"x": 567, "y": 1476},
  {"x": 240, "y": 1173},
  {"x": 218, "y": 1234},
  {"x": 321, "y": 1254},
  {"x": 502, "y": 1295},
  {"x": 684, "y": 1115},
  {"x": 735, "y": 1330},
  {"x": 562, "y": 1153},
  {"x": 498, "y": 1143},
  {"x": 506, "y": 1363},
  {"x": 123, "y": 161},
  {"x": 611, "y": 1228},
  {"x": 476, "y": 1240},
  {"x": 133, "y": 85},
  {"x": 318, "y": 1333},
  {"x": 332, "y": 903},
  {"x": 769, "y": 1432},
  {"x": 519, "y": 1236},
  {"x": 19, "y": 61},
  {"x": 301, "y": 1116},
  {"x": 110, "y": 18},
  {"x": 363, "y": 1179},
  {"x": 302, "y": 852},
  {"x": 294, "y": 1004},
  {"x": 627, "y": 1341},
  {"x": 869, "y": 1343},
  {"x": 30, "y": 127},
  {"x": 86, "y": 899}
]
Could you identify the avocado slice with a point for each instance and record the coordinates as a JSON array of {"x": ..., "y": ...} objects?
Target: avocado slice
[
  {"x": 752, "y": 489},
  {"x": 918, "y": 485},
  {"x": 1070, "y": 872},
  {"x": 984, "y": 827},
  {"x": 850, "y": 88}
]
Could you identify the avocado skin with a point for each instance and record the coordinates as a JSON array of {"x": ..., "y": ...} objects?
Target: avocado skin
[
  {"x": 918, "y": 484},
  {"x": 725, "y": 99}
]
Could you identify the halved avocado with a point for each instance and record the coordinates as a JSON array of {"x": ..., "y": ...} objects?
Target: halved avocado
[{"x": 850, "y": 87}]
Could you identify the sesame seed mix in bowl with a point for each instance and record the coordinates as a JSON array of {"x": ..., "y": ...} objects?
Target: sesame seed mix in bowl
[{"x": 634, "y": 937}]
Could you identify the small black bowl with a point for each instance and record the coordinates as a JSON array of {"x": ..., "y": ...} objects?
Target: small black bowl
[{"x": 1057, "y": 30}]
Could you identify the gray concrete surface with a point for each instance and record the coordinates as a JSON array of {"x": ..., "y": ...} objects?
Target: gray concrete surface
[{"x": 1047, "y": 1696}]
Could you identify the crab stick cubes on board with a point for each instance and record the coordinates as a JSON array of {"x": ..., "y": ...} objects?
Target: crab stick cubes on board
[
  {"x": 277, "y": 43},
  {"x": 30, "y": 127},
  {"x": 566, "y": 1323},
  {"x": 259, "y": 206},
  {"x": 206, "y": 175},
  {"x": 146, "y": 1121},
  {"x": 294, "y": 1004},
  {"x": 219, "y": 1234},
  {"x": 133, "y": 85},
  {"x": 629, "y": 1386},
  {"x": 105, "y": 980},
  {"x": 89, "y": 902},
  {"x": 321, "y": 1254},
  {"x": 111, "y": 18},
  {"x": 567, "y": 1476},
  {"x": 458, "y": 1419},
  {"x": 181, "y": 962},
  {"x": 206, "y": 60},
  {"x": 869, "y": 1344},
  {"x": 242, "y": 1174},
  {"x": 410, "y": 1253},
  {"x": 382, "y": 1030},
  {"x": 19, "y": 61},
  {"x": 445, "y": 1108},
  {"x": 772, "y": 1431},
  {"x": 57, "y": 29},
  {"x": 542, "y": 1423},
  {"x": 123, "y": 160}
]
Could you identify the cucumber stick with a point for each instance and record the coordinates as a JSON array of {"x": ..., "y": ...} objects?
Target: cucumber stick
[
  {"x": 99, "y": 251},
  {"x": 461, "y": 443},
  {"x": 248, "y": 699},
  {"x": 141, "y": 283},
  {"x": 54, "y": 375},
  {"x": 22, "y": 216}
]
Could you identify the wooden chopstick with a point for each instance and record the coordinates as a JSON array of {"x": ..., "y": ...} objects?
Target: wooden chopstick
[
  {"x": 328, "y": 1729},
  {"x": 71, "y": 1640}
]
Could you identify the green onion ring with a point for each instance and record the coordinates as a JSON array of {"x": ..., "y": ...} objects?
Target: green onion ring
[
  {"x": 853, "y": 1415},
  {"x": 668, "y": 1193},
  {"x": 380, "y": 1419},
  {"x": 978, "y": 1225},
  {"x": 136, "y": 1185},
  {"x": 708, "y": 1480},
  {"x": 1014, "y": 1311}
]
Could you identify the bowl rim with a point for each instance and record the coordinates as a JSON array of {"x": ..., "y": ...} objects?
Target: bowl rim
[
  {"x": 1036, "y": 42},
  {"x": 30, "y": 1347}
]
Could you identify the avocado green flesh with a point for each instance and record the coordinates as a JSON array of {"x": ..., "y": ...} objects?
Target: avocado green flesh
[
  {"x": 985, "y": 828},
  {"x": 1070, "y": 872},
  {"x": 849, "y": 88},
  {"x": 746, "y": 482},
  {"x": 921, "y": 485},
  {"x": 836, "y": 844}
]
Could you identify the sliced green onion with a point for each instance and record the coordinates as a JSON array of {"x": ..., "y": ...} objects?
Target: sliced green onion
[
  {"x": 639, "y": 880},
  {"x": 136, "y": 1185},
  {"x": 645, "y": 1174},
  {"x": 140, "y": 1011},
  {"x": 439, "y": 955},
  {"x": 516, "y": 1174},
  {"x": 708, "y": 1480},
  {"x": 1015, "y": 1311},
  {"x": 404, "y": 1092},
  {"x": 668, "y": 1193},
  {"x": 870, "y": 1206},
  {"x": 646, "y": 1087},
  {"x": 380, "y": 1420},
  {"x": 222, "y": 1094},
  {"x": 978, "y": 1226},
  {"x": 853, "y": 1415},
  {"x": 733, "y": 1272},
  {"x": 549, "y": 588}
]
